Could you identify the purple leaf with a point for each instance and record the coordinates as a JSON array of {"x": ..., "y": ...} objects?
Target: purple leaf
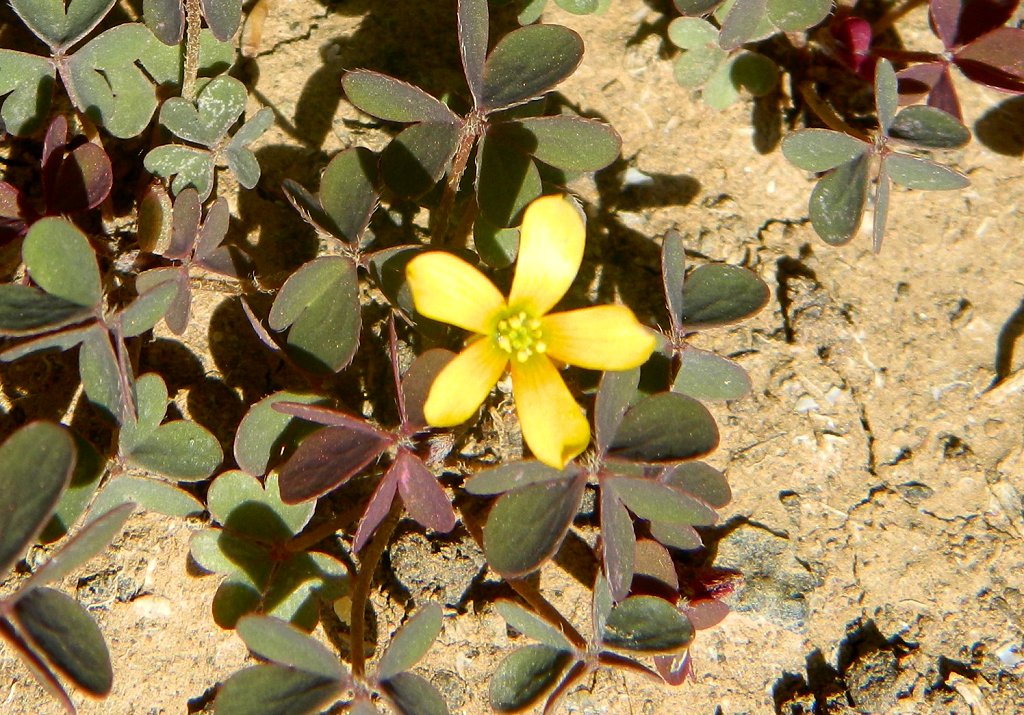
[
  {"x": 416, "y": 384},
  {"x": 674, "y": 669},
  {"x": 215, "y": 228},
  {"x": 960, "y": 22},
  {"x": 327, "y": 459},
  {"x": 425, "y": 499},
  {"x": 83, "y": 181},
  {"x": 619, "y": 544},
  {"x": 995, "y": 60},
  {"x": 378, "y": 508},
  {"x": 331, "y": 418},
  {"x": 473, "y": 21},
  {"x": 705, "y": 612},
  {"x": 188, "y": 211}
]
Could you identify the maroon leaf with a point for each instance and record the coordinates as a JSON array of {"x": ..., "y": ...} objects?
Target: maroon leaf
[
  {"x": 960, "y": 22},
  {"x": 53, "y": 152},
  {"x": 933, "y": 81},
  {"x": 425, "y": 499},
  {"x": 188, "y": 211},
  {"x": 619, "y": 544},
  {"x": 705, "y": 612},
  {"x": 853, "y": 36},
  {"x": 330, "y": 417},
  {"x": 995, "y": 60},
  {"x": 83, "y": 181},
  {"x": 327, "y": 459},
  {"x": 215, "y": 228},
  {"x": 416, "y": 385},
  {"x": 377, "y": 509},
  {"x": 674, "y": 669}
]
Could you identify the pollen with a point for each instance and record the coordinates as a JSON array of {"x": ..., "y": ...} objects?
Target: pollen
[{"x": 520, "y": 336}]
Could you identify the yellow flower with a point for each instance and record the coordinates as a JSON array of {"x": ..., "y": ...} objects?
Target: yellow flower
[{"x": 519, "y": 332}]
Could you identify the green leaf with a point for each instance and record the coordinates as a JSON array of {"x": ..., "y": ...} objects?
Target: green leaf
[
  {"x": 61, "y": 261},
  {"x": 150, "y": 494},
  {"x": 619, "y": 554},
  {"x": 89, "y": 468},
  {"x": 413, "y": 695},
  {"x": 531, "y": 11},
  {"x": 566, "y": 142},
  {"x": 915, "y": 173},
  {"x": 647, "y": 624},
  {"x": 578, "y": 7},
  {"x": 320, "y": 305},
  {"x": 754, "y": 72},
  {"x": 240, "y": 158},
  {"x": 705, "y": 376},
  {"x": 238, "y": 500},
  {"x": 655, "y": 501},
  {"x": 497, "y": 247},
  {"x": 473, "y": 36},
  {"x": 886, "y": 94},
  {"x": 525, "y": 675},
  {"x": 614, "y": 394},
  {"x": 691, "y": 33},
  {"x": 348, "y": 191},
  {"x": 837, "y": 201},
  {"x": 207, "y": 120},
  {"x": 93, "y": 538},
  {"x": 411, "y": 642},
  {"x": 821, "y": 149},
  {"x": 507, "y": 181},
  {"x": 678, "y": 536},
  {"x": 528, "y": 62},
  {"x": 506, "y": 477},
  {"x": 275, "y": 690},
  {"x": 35, "y": 467},
  {"x": 264, "y": 432},
  {"x": 60, "y": 340},
  {"x": 665, "y": 427},
  {"x": 673, "y": 272},
  {"x": 25, "y": 310},
  {"x": 166, "y": 19},
  {"x": 393, "y": 100},
  {"x": 797, "y": 15},
  {"x": 26, "y": 86},
  {"x": 526, "y": 526},
  {"x": 701, "y": 480},
  {"x": 65, "y": 632},
  {"x": 695, "y": 67},
  {"x": 188, "y": 165},
  {"x": 745, "y": 20},
  {"x": 718, "y": 294},
  {"x": 223, "y": 17},
  {"x": 278, "y": 641},
  {"x": 57, "y": 27},
  {"x": 929, "y": 127},
  {"x": 720, "y": 91},
  {"x": 146, "y": 310},
  {"x": 532, "y": 626},
  {"x": 414, "y": 160},
  {"x": 882, "y": 195},
  {"x": 101, "y": 375},
  {"x": 696, "y": 7}
]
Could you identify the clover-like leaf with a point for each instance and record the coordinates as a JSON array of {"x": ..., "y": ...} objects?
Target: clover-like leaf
[
  {"x": 699, "y": 479},
  {"x": 320, "y": 305},
  {"x": 150, "y": 494},
  {"x": 619, "y": 544},
  {"x": 837, "y": 201},
  {"x": 223, "y": 17},
  {"x": 95, "y": 536},
  {"x": 26, "y": 86},
  {"x": 564, "y": 142},
  {"x": 797, "y": 15},
  {"x": 742, "y": 21},
  {"x": 240, "y": 158},
  {"x": 411, "y": 642},
  {"x": 665, "y": 427},
  {"x": 63, "y": 630},
  {"x": 275, "y": 690},
  {"x": 61, "y": 24},
  {"x": 507, "y": 181},
  {"x": 347, "y": 198},
  {"x": 506, "y": 477},
  {"x": 279, "y": 642},
  {"x": 414, "y": 695},
  {"x": 206, "y": 121},
  {"x": 929, "y": 127},
  {"x": 104, "y": 377},
  {"x": 821, "y": 149},
  {"x": 35, "y": 466},
  {"x": 61, "y": 261},
  {"x": 614, "y": 395},
  {"x": 190, "y": 167},
  {"x": 526, "y": 526},
  {"x": 916, "y": 173},
  {"x": 89, "y": 468},
  {"x": 525, "y": 675},
  {"x": 647, "y": 624},
  {"x": 146, "y": 310},
  {"x": 705, "y": 376},
  {"x": 531, "y": 625},
  {"x": 690, "y": 33},
  {"x": 420, "y": 155},
  {"x": 25, "y": 310},
  {"x": 528, "y": 62},
  {"x": 180, "y": 450},
  {"x": 497, "y": 246},
  {"x": 719, "y": 294},
  {"x": 264, "y": 432},
  {"x": 886, "y": 95},
  {"x": 654, "y": 501},
  {"x": 393, "y": 100}
]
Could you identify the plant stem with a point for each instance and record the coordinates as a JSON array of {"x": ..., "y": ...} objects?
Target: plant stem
[
  {"x": 826, "y": 114},
  {"x": 193, "y": 25},
  {"x": 473, "y": 128},
  {"x": 361, "y": 588}
]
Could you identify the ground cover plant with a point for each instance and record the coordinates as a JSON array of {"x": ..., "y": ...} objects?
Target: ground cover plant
[{"x": 460, "y": 279}]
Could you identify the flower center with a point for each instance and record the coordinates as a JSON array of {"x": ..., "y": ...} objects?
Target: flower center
[{"x": 520, "y": 336}]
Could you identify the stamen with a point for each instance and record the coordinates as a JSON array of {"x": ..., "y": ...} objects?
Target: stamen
[{"x": 520, "y": 336}]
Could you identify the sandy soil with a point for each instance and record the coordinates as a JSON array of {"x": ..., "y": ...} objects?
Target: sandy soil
[{"x": 877, "y": 467}]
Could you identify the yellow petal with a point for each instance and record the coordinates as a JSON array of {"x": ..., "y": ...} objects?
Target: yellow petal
[
  {"x": 604, "y": 337},
  {"x": 550, "y": 251},
  {"x": 448, "y": 289},
  {"x": 464, "y": 383},
  {"x": 553, "y": 425}
]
